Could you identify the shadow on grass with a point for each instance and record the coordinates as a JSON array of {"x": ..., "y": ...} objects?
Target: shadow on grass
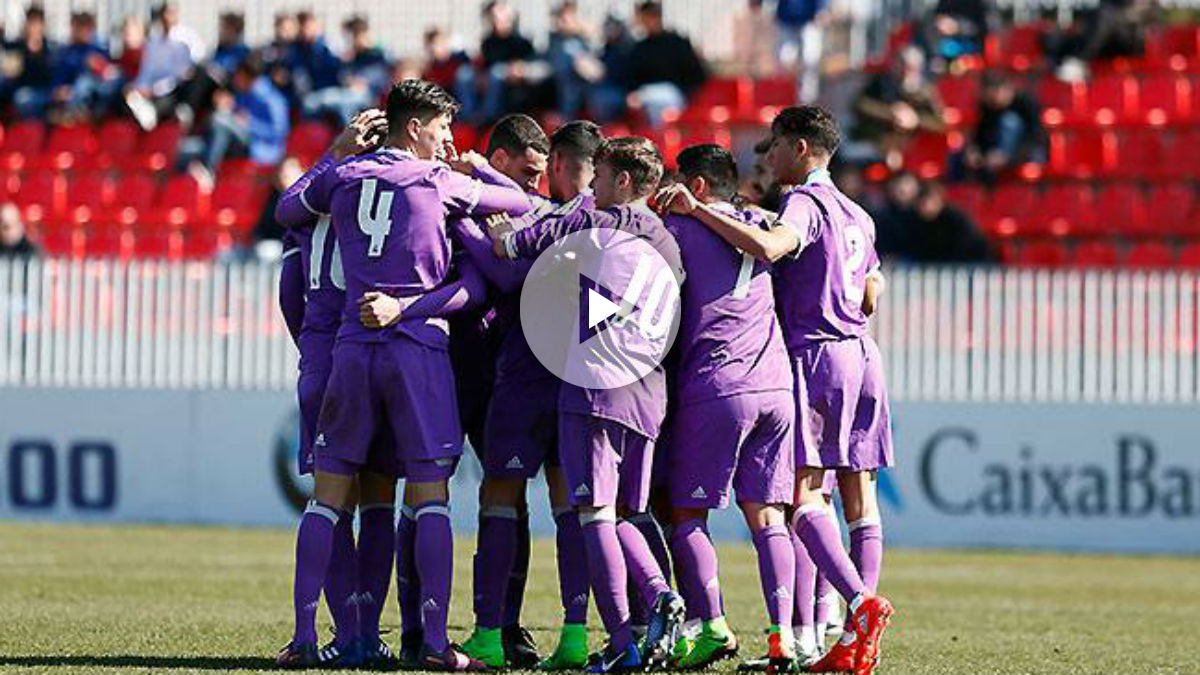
[{"x": 226, "y": 663}]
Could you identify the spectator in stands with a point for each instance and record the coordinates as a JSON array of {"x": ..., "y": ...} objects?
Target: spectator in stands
[
  {"x": 364, "y": 75},
  {"x": 800, "y": 46},
  {"x": 133, "y": 41},
  {"x": 442, "y": 60},
  {"x": 312, "y": 65},
  {"x": 941, "y": 234},
  {"x": 267, "y": 228},
  {"x": 13, "y": 241},
  {"x": 251, "y": 120},
  {"x": 276, "y": 54},
  {"x": 607, "y": 97},
  {"x": 1116, "y": 28},
  {"x": 216, "y": 72},
  {"x": 85, "y": 79},
  {"x": 1009, "y": 132},
  {"x": 508, "y": 72},
  {"x": 575, "y": 66},
  {"x": 954, "y": 29},
  {"x": 29, "y": 65},
  {"x": 896, "y": 104},
  {"x": 665, "y": 68},
  {"x": 755, "y": 35},
  {"x": 894, "y": 217},
  {"x": 167, "y": 62}
]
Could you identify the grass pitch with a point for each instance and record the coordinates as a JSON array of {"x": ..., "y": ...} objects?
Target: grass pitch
[{"x": 101, "y": 599}]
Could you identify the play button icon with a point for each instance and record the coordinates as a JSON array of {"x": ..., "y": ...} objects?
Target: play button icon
[{"x": 600, "y": 308}]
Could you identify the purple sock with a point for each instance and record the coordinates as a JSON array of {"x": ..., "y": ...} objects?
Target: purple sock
[
  {"x": 514, "y": 593},
  {"x": 866, "y": 550},
  {"x": 806, "y": 585},
  {"x": 495, "y": 550},
  {"x": 376, "y": 552},
  {"x": 696, "y": 571},
  {"x": 408, "y": 584},
  {"x": 641, "y": 562},
  {"x": 435, "y": 567},
  {"x": 820, "y": 536},
  {"x": 777, "y": 571},
  {"x": 341, "y": 580},
  {"x": 646, "y": 524},
  {"x": 572, "y": 566},
  {"x": 606, "y": 570},
  {"x": 314, "y": 543}
]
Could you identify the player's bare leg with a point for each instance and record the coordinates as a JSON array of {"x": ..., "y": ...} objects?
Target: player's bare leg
[
  {"x": 495, "y": 553},
  {"x": 376, "y": 552},
  {"x": 572, "y": 651},
  {"x": 696, "y": 572},
  {"x": 869, "y": 613},
  {"x": 333, "y": 494}
]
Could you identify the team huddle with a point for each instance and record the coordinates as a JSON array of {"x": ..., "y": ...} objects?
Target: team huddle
[{"x": 401, "y": 285}]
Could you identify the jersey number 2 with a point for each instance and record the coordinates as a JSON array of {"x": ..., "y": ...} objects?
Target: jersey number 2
[
  {"x": 377, "y": 223},
  {"x": 856, "y": 255}
]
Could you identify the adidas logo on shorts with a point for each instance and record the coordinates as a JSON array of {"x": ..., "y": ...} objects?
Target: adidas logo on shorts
[
  {"x": 582, "y": 491},
  {"x": 699, "y": 493},
  {"x": 514, "y": 463},
  {"x": 320, "y": 442}
]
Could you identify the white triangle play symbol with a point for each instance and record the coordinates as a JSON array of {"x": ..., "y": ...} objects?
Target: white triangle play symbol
[{"x": 599, "y": 308}]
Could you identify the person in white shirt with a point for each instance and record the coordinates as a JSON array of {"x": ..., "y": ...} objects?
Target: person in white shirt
[{"x": 167, "y": 62}]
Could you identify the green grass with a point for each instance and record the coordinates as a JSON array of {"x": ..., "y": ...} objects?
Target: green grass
[{"x": 99, "y": 599}]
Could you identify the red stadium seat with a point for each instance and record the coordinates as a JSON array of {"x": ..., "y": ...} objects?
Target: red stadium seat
[
  {"x": 157, "y": 149},
  {"x": 1121, "y": 209},
  {"x": 309, "y": 140},
  {"x": 109, "y": 241},
  {"x": 926, "y": 154},
  {"x": 1062, "y": 102},
  {"x": 65, "y": 146},
  {"x": 1021, "y": 47},
  {"x": 1113, "y": 99},
  {"x": 1042, "y": 254},
  {"x": 88, "y": 197},
  {"x": 206, "y": 244},
  {"x": 133, "y": 196},
  {"x": 960, "y": 99},
  {"x": 42, "y": 191},
  {"x": 1062, "y": 210},
  {"x": 1174, "y": 47},
  {"x": 237, "y": 202},
  {"x": 1165, "y": 98},
  {"x": 1189, "y": 256},
  {"x": 1170, "y": 210},
  {"x": 21, "y": 141},
  {"x": 466, "y": 136},
  {"x": 1094, "y": 254},
  {"x": 116, "y": 142},
  {"x": 967, "y": 197},
  {"x": 718, "y": 100},
  {"x": 1143, "y": 153},
  {"x": 58, "y": 240},
  {"x": 1009, "y": 209},
  {"x": 162, "y": 244},
  {"x": 1082, "y": 154},
  {"x": 181, "y": 201},
  {"x": 1150, "y": 255}
]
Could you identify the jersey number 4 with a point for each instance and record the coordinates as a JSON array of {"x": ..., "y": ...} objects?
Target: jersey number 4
[{"x": 375, "y": 222}]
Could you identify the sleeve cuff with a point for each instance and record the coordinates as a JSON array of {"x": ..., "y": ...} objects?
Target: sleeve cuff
[{"x": 510, "y": 246}]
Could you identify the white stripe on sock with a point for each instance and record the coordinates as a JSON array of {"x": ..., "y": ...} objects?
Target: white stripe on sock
[
  {"x": 506, "y": 512},
  {"x": 375, "y": 507},
  {"x": 601, "y": 516},
  {"x": 406, "y": 511},
  {"x": 864, "y": 522},
  {"x": 324, "y": 511},
  {"x": 432, "y": 510}
]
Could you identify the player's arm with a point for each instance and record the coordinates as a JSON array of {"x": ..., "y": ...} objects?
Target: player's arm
[
  {"x": 875, "y": 283},
  {"x": 468, "y": 196},
  {"x": 378, "y": 310},
  {"x": 308, "y": 198},
  {"x": 506, "y": 275},
  {"x": 767, "y": 245},
  {"x": 291, "y": 287},
  {"x": 531, "y": 241}
]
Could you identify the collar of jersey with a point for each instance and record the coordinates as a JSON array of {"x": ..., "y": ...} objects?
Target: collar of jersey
[
  {"x": 398, "y": 152},
  {"x": 818, "y": 176}
]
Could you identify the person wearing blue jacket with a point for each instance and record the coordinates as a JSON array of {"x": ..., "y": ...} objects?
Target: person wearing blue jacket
[{"x": 253, "y": 121}]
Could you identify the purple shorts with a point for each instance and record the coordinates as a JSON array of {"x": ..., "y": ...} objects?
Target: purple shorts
[
  {"x": 400, "y": 389},
  {"x": 742, "y": 442},
  {"x": 842, "y": 415},
  {"x": 316, "y": 360},
  {"x": 605, "y": 462},
  {"x": 522, "y": 429}
]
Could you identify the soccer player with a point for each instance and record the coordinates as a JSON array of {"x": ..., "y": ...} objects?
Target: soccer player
[
  {"x": 520, "y": 433},
  {"x": 606, "y": 436},
  {"x": 389, "y": 210},
  {"x": 312, "y": 293},
  {"x": 732, "y": 426},
  {"x": 841, "y": 403}
]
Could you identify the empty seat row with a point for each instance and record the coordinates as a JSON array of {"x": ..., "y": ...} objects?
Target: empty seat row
[{"x": 1104, "y": 254}]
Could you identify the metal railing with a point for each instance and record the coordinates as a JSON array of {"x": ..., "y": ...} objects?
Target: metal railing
[{"x": 977, "y": 334}]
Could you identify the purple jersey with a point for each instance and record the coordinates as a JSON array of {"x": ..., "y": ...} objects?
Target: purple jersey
[
  {"x": 389, "y": 212},
  {"x": 320, "y": 260},
  {"x": 729, "y": 340},
  {"x": 641, "y": 405},
  {"x": 820, "y": 290}
]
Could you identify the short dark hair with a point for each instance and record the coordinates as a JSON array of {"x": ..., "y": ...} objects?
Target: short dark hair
[
  {"x": 35, "y": 12},
  {"x": 812, "y": 123},
  {"x": 712, "y": 163},
  {"x": 580, "y": 138},
  {"x": 83, "y": 18},
  {"x": 235, "y": 20},
  {"x": 636, "y": 155},
  {"x": 418, "y": 98},
  {"x": 650, "y": 7},
  {"x": 356, "y": 23},
  {"x": 516, "y": 133}
]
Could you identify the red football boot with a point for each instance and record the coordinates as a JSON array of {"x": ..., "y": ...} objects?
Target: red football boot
[
  {"x": 839, "y": 659},
  {"x": 870, "y": 620}
]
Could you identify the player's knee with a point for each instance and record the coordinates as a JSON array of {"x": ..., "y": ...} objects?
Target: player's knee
[
  {"x": 334, "y": 490},
  {"x": 507, "y": 492},
  {"x": 759, "y": 516},
  {"x": 416, "y": 494},
  {"x": 682, "y": 515},
  {"x": 377, "y": 488}
]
